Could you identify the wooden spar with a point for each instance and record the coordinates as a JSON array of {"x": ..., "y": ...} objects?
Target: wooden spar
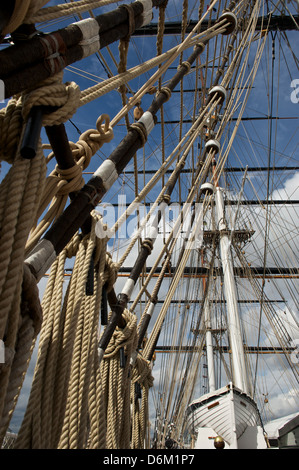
[
  {"x": 25, "y": 53},
  {"x": 233, "y": 202},
  {"x": 29, "y": 62},
  {"x": 274, "y": 23},
  {"x": 255, "y": 271},
  {"x": 188, "y": 274},
  {"x": 225, "y": 349},
  {"x": 60, "y": 145},
  {"x": 249, "y": 118},
  {"x": 146, "y": 249},
  {"x": 32, "y": 131},
  {"x": 89, "y": 196},
  {"x": 56, "y": 134},
  {"x": 216, "y": 301},
  {"x": 201, "y": 273},
  {"x": 225, "y": 170}
]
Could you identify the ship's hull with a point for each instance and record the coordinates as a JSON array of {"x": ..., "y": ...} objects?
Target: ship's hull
[{"x": 229, "y": 413}]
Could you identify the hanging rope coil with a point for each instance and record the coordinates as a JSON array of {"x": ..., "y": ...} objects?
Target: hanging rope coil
[
  {"x": 10, "y": 129},
  {"x": 123, "y": 338},
  {"x": 142, "y": 376},
  {"x": 20, "y": 200},
  {"x": 116, "y": 384},
  {"x": 55, "y": 94},
  {"x": 67, "y": 372}
]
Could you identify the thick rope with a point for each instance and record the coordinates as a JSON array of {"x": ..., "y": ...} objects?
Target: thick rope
[
  {"x": 30, "y": 322},
  {"x": 52, "y": 92},
  {"x": 64, "y": 408},
  {"x": 116, "y": 384},
  {"x": 23, "y": 10},
  {"x": 140, "y": 414},
  {"x": 19, "y": 199},
  {"x": 20, "y": 194},
  {"x": 67, "y": 9}
]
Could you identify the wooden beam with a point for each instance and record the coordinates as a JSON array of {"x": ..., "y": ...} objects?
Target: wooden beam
[
  {"x": 281, "y": 23},
  {"x": 224, "y": 349}
]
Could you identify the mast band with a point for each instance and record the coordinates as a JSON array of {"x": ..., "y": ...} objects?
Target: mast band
[
  {"x": 90, "y": 42},
  {"x": 148, "y": 121},
  {"x": 208, "y": 187},
  {"x": 147, "y": 11},
  {"x": 220, "y": 90},
  {"x": 108, "y": 173},
  {"x": 88, "y": 27},
  {"x": 128, "y": 288},
  {"x": 213, "y": 144}
]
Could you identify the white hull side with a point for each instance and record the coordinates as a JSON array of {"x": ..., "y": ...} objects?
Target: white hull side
[{"x": 228, "y": 413}]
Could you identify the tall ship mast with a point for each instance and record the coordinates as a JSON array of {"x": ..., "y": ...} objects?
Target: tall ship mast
[{"x": 149, "y": 237}]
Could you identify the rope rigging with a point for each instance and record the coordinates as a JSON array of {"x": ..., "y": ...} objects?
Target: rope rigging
[{"x": 93, "y": 375}]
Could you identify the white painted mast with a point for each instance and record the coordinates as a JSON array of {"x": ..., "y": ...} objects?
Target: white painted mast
[
  {"x": 235, "y": 335},
  {"x": 209, "y": 346}
]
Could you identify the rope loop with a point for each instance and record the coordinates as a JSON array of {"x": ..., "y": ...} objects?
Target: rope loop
[
  {"x": 142, "y": 372},
  {"x": 166, "y": 92},
  {"x": 148, "y": 244},
  {"x": 131, "y": 19},
  {"x": 92, "y": 140},
  {"x": 186, "y": 65},
  {"x": 139, "y": 127}
]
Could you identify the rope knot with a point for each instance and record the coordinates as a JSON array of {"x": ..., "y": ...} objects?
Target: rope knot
[
  {"x": 92, "y": 140},
  {"x": 54, "y": 94},
  {"x": 142, "y": 372},
  {"x": 123, "y": 337},
  {"x": 72, "y": 179}
]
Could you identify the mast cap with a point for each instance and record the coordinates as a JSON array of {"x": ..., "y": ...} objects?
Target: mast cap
[
  {"x": 212, "y": 144},
  {"x": 220, "y": 90},
  {"x": 208, "y": 187},
  {"x": 233, "y": 21}
]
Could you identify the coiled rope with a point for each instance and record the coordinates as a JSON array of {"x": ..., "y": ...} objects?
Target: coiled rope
[{"x": 20, "y": 197}]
